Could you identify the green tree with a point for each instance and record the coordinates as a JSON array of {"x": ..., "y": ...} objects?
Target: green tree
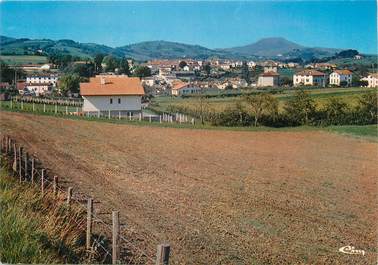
[
  {"x": 7, "y": 74},
  {"x": 261, "y": 104},
  {"x": 97, "y": 61},
  {"x": 111, "y": 63},
  {"x": 69, "y": 83},
  {"x": 229, "y": 87},
  {"x": 182, "y": 64},
  {"x": 335, "y": 110},
  {"x": 207, "y": 69},
  {"x": 367, "y": 106},
  {"x": 286, "y": 81},
  {"x": 301, "y": 108},
  {"x": 246, "y": 75},
  {"x": 84, "y": 70},
  {"x": 142, "y": 71},
  {"x": 202, "y": 108},
  {"x": 124, "y": 67}
]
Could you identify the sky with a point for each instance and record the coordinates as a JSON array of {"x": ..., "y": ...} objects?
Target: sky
[{"x": 213, "y": 24}]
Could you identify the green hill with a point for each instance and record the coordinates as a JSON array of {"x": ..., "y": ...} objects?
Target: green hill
[{"x": 269, "y": 48}]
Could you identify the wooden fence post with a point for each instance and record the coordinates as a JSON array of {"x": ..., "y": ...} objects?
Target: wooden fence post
[
  {"x": 15, "y": 158},
  {"x": 159, "y": 118},
  {"x": 44, "y": 107},
  {"x": 11, "y": 103},
  {"x": 10, "y": 145},
  {"x": 119, "y": 115},
  {"x": 109, "y": 114},
  {"x": 20, "y": 162},
  {"x": 89, "y": 222},
  {"x": 5, "y": 143},
  {"x": 162, "y": 255},
  {"x": 69, "y": 195},
  {"x": 22, "y": 105},
  {"x": 42, "y": 181},
  {"x": 32, "y": 171},
  {"x": 55, "y": 185},
  {"x": 150, "y": 118},
  {"x": 66, "y": 110},
  {"x": 56, "y": 108},
  {"x": 115, "y": 242},
  {"x": 26, "y": 166}
]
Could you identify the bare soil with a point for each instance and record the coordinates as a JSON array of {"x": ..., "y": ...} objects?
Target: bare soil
[{"x": 219, "y": 197}]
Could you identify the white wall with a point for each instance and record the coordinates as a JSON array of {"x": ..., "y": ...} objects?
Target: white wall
[
  {"x": 336, "y": 79},
  {"x": 102, "y": 103},
  {"x": 264, "y": 81},
  {"x": 308, "y": 80}
]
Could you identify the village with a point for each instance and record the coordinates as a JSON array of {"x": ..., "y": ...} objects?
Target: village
[{"x": 175, "y": 78}]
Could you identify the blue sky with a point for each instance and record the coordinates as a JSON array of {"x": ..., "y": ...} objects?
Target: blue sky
[{"x": 338, "y": 24}]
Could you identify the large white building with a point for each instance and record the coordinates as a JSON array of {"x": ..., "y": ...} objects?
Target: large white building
[
  {"x": 268, "y": 79},
  {"x": 341, "y": 78},
  {"x": 41, "y": 84},
  {"x": 372, "y": 80},
  {"x": 114, "y": 94},
  {"x": 309, "y": 78}
]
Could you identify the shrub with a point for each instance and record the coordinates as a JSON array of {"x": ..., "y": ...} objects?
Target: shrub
[{"x": 300, "y": 110}]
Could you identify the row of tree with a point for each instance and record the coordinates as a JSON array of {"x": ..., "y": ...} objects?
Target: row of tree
[
  {"x": 74, "y": 73},
  {"x": 263, "y": 110}
]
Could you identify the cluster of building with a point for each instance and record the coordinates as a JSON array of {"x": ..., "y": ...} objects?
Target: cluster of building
[{"x": 188, "y": 76}]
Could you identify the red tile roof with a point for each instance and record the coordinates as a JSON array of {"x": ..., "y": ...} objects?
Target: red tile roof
[
  {"x": 343, "y": 72},
  {"x": 310, "y": 72},
  {"x": 178, "y": 85},
  {"x": 269, "y": 74},
  {"x": 112, "y": 85}
]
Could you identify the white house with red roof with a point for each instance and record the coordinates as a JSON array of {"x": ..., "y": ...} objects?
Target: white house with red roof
[
  {"x": 309, "y": 77},
  {"x": 180, "y": 88},
  {"x": 112, "y": 93},
  {"x": 268, "y": 79},
  {"x": 341, "y": 77}
]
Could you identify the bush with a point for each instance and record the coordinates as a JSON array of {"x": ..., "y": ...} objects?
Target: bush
[
  {"x": 301, "y": 109},
  {"x": 232, "y": 116}
]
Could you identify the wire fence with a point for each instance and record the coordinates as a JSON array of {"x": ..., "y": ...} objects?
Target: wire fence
[
  {"x": 105, "y": 242},
  {"x": 66, "y": 108}
]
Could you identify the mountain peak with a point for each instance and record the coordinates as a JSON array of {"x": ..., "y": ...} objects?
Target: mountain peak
[{"x": 273, "y": 46}]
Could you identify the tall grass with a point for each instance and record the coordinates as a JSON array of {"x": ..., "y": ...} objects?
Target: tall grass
[{"x": 36, "y": 229}]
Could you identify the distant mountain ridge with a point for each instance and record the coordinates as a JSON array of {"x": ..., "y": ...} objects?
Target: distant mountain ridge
[{"x": 268, "y": 48}]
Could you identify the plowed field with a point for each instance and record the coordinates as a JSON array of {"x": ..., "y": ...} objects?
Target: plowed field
[{"x": 220, "y": 197}]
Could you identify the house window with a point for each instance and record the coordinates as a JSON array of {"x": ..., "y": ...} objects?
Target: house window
[
  {"x": 111, "y": 101},
  {"x": 119, "y": 100}
]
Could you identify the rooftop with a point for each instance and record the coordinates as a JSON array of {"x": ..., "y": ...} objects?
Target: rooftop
[
  {"x": 310, "y": 72},
  {"x": 343, "y": 72},
  {"x": 112, "y": 85}
]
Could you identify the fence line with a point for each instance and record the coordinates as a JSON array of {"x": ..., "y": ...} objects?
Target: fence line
[
  {"x": 25, "y": 168},
  {"x": 76, "y": 110}
]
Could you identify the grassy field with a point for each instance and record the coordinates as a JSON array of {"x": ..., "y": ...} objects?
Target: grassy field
[
  {"x": 366, "y": 131},
  {"x": 23, "y": 59},
  {"x": 33, "y": 230},
  {"x": 348, "y": 95},
  {"x": 210, "y": 192}
]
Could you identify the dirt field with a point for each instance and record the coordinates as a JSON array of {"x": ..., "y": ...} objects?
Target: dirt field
[{"x": 220, "y": 197}]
